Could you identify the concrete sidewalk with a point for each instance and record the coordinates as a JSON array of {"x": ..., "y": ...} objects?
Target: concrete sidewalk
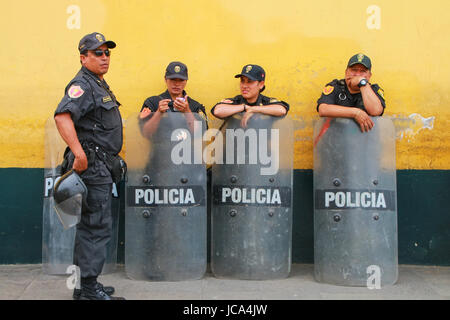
[{"x": 27, "y": 282}]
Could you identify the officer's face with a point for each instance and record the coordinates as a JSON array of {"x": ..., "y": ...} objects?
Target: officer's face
[
  {"x": 357, "y": 71},
  {"x": 250, "y": 88},
  {"x": 98, "y": 65},
  {"x": 176, "y": 86}
]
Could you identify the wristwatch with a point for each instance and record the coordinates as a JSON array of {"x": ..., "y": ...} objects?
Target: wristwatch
[
  {"x": 245, "y": 107},
  {"x": 362, "y": 83}
]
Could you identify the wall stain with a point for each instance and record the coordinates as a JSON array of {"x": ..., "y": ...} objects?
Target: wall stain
[{"x": 409, "y": 126}]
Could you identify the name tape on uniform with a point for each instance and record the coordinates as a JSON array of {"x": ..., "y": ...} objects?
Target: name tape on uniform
[
  {"x": 252, "y": 196},
  {"x": 355, "y": 199},
  {"x": 173, "y": 196}
]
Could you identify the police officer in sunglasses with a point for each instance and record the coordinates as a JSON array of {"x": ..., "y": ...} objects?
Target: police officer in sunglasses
[{"x": 89, "y": 121}]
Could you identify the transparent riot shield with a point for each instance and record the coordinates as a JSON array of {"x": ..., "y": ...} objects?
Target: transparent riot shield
[
  {"x": 69, "y": 211},
  {"x": 165, "y": 209},
  {"x": 69, "y": 195},
  {"x": 252, "y": 199},
  {"x": 355, "y": 212},
  {"x": 57, "y": 241}
]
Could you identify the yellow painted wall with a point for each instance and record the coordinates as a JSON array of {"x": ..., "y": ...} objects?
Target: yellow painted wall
[{"x": 301, "y": 44}]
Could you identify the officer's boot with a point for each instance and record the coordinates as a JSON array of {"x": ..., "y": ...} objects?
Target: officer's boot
[
  {"x": 92, "y": 290},
  {"x": 108, "y": 290}
]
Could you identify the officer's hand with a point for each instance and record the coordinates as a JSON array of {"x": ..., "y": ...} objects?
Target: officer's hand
[
  {"x": 80, "y": 163},
  {"x": 163, "y": 105},
  {"x": 144, "y": 113},
  {"x": 363, "y": 119},
  {"x": 355, "y": 81},
  {"x": 182, "y": 105},
  {"x": 247, "y": 115}
]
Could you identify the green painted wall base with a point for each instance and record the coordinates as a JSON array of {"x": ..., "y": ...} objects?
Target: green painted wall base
[{"x": 423, "y": 217}]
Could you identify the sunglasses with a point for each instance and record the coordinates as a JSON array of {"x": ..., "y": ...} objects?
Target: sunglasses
[{"x": 100, "y": 52}]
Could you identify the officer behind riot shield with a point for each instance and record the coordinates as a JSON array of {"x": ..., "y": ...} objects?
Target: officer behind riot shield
[
  {"x": 174, "y": 99},
  {"x": 354, "y": 96},
  {"x": 250, "y": 101},
  {"x": 355, "y": 214},
  {"x": 166, "y": 196},
  {"x": 252, "y": 199}
]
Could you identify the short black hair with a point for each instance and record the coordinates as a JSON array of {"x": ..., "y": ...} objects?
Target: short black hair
[{"x": 84, "y": 53}]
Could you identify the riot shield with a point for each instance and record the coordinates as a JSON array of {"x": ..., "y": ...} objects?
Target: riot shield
[
  {"x": 355, "y": 213},
  {"x": 251, "y": 213},
  {"x": 165, "y": 209},
  {"x": 58, "y": 242}
]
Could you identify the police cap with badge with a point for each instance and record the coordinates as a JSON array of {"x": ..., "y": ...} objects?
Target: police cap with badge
[
  {"x": 360, "y": 59},
  {"x": 176, "y": 70},
  {"x": 94, "y": 40}
]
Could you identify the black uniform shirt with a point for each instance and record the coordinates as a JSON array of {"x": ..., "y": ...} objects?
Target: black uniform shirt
[
  {"x": 152, "y": 103},
  {"x": 95, "y": 112},
  {"x": 336, "y": 92},
  {"x": 261, "y": 101}
]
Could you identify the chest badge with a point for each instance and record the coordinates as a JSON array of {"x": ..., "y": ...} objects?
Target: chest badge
[
  {"x": 75, "y": 92},
  {"x": 327, "y": 90},
  {"x": 342, "y": 96}
]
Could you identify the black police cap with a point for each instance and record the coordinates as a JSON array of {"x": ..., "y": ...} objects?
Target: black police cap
[
  {"x": 94, "y": 40},
  {"x": 360, "y": 59},
  {"x": 253, "y": 72},
  {"x": 176, "y": 70}
]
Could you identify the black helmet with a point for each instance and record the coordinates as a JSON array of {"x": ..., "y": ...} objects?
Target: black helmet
[{"x": 70, "y": 194}]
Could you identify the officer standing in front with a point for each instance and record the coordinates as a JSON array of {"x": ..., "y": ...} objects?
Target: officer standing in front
[
  {"x": 354, "y": 96},
  {"x": 250, "y": 100},
  {"x": 89, "y": 121}
]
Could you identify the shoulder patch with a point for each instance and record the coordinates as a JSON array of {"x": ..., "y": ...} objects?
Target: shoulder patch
[
  {"x": 75, "y": 92},
  {"x": 381, "y": 93},
  {"x": 273, "y": 100},
  {"x": 327, "y": 90},
  {"x": 226, "y": 101}
]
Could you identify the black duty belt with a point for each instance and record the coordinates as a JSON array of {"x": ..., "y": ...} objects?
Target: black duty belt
[{"x": 92, "y": 150}]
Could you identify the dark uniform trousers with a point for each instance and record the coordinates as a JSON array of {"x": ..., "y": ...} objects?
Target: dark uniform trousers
[{"x": 94, "y": 230}]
